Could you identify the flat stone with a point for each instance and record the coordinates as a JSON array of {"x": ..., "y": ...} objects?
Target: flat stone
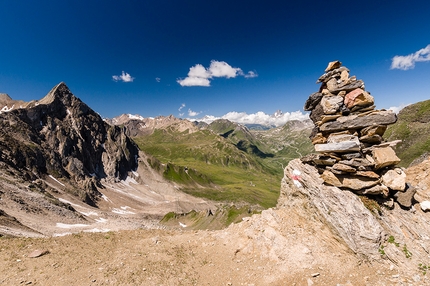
[
  {"x": 319, "y": 159},
  {"x": 348, "y": 87},
  {"x": 382, "y": 145},
  {"x": 360, "y": 109},
  {"x": 384, "y": 157},
  {"x": 357, "y": 162},
  {"x": 358, "y": 97},
  {"x": 375, "y": 190},
  {"x": 331, "y": 104},
  {"x": 344, "y": 168},
  {"x": 395, "y": 179},
  {"x": 350, "y": 182},
  {"x": 333, "y": 65},
  {"x": 341, "y": 147},
  {"x": 37, "y": 253},
  {"x": 356, "y": 122},
  {"x": 350, "y": 156},
  {"x": 369, "y": 174}
]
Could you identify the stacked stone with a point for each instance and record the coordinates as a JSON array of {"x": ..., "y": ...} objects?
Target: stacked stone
[{"x": 347, "y": 137}]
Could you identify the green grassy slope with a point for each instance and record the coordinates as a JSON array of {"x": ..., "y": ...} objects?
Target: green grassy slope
[
  {"x": 413, "y": 128},
  {"x": 208, "y": 165}
]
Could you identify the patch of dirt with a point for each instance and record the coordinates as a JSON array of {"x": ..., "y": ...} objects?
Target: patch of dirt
[{"x": 277, "y": 247}]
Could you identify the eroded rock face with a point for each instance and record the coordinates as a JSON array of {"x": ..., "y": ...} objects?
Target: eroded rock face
[
  {"x": 342, "y": 210},
  {"x": 61, "y": 136}
]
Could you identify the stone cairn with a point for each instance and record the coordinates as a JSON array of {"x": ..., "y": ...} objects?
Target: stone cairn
[{"x": 351, "y": 153}]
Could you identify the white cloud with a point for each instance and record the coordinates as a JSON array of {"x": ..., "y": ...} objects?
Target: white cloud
[
  {"x": 192, "y": 113},
  {"x": 223, "y": 69},
  {"x": 250, "y": 74},
  {"x": 158, "y": 79},
  {"x": 125, "y": 77},
  {"x": 194, "y": 81},
  {"x": 258, "y": 118},
  {"x": 200, "y": 76},
  {"x": 199, "y": 71},
  {"x": 408, "y": 62},
  {"x": 396, "y": 109},
  {"x": 182, "y": 106}
]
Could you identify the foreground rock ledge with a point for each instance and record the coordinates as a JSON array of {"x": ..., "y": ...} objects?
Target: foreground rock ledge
[{"x": 343, "y": 211}]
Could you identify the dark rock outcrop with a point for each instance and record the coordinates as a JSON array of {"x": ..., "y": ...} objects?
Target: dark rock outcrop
[{"x": 61, "y": 136}]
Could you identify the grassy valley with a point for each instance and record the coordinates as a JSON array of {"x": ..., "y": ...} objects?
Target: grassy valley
[{"x": 224, "y": 161}]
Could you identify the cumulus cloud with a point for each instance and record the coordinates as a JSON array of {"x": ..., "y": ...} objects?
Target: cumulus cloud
[
  {"x": 408, "y": 62},
  {"x": 193, "y": 113},
  {"x": 258, "y": 118},
  {"x": 201, "y": 76},
  {"x": 181, "y": 107},
  {"x": 157, "y": 79},
  {"x": 124, "y": 77}
]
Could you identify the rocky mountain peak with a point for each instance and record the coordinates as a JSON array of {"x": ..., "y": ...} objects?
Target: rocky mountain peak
[{"x": 61, "y": 136}]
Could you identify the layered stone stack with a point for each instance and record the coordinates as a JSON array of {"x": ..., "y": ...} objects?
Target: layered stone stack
[{"x": 347, "y": 137}]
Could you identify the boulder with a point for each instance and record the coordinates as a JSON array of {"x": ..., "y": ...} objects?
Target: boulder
[
  {"x": 405, "y": 198},
  {"x": 313, "y": 101},
  {"x": 395, "y": 179},
  {"x": 384, "y": 157},
  {"x": 331, "y": 104},
  {"x": 358, "y": 97}
]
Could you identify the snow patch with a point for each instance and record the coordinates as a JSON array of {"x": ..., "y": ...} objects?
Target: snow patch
[
  {"x": 135, "y": 173},
  {"x": 6, "y": 109},
  {"x": 138, "y": 117},
  {"x": 101, "y": 220},
  {"x": 183, "y": 225},
  {"x": 123, "y": 210},
  {"x": 56, "y": 180},
  {"x": 90, "y": 213},
  {"x": 68, "y": 202},
  {"x": 64, "y": 225},
  {"x": 106, "y": 198},
  {"x": 129, "y": 180}
]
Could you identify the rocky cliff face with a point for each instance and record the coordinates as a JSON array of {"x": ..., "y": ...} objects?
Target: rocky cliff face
[{"x": 61, "y": 136}]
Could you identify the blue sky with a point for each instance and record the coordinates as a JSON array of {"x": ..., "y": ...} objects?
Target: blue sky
[{"x": 250, "y": 56}]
